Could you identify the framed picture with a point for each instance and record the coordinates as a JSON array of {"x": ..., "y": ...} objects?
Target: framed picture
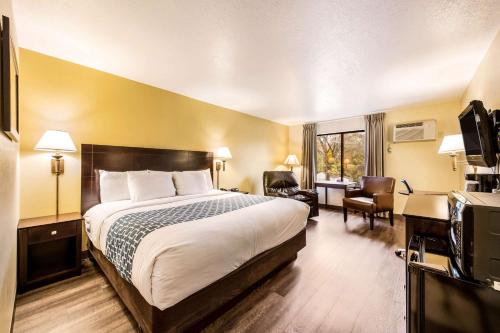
[{"x": 9, "y": 84}]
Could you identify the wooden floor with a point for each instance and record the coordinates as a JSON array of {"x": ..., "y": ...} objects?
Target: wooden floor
[{"x": 347, "y": 279}]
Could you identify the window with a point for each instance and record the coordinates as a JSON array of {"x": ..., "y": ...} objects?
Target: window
[{"x": 341, "y": 156}]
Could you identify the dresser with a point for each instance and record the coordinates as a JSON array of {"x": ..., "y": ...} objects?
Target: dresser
[{"x": 49, "y": 249}]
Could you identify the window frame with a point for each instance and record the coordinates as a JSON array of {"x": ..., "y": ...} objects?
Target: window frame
[{"x": 341, "y": 148}]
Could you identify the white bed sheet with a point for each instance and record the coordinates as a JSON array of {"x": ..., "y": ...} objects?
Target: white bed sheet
[{"x": 174, "y": 262}]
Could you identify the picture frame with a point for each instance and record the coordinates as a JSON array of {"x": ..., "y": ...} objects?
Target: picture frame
[{"x": 9, "y": 84}]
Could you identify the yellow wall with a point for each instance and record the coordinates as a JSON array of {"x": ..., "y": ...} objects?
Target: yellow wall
[
  {"x": 9, "y": 211},
  {"x": 96, "y": 107},
  {"x": 419, "y": 162},
  {"x": 485, "y": 85}
]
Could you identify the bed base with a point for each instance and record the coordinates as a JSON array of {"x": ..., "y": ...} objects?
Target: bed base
[{"x": 198, "y": 310}]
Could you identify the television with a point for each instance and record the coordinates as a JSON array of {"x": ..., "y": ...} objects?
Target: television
[
  {"x": 495, "y": 121},
  {"x": 479, "y": 139}
]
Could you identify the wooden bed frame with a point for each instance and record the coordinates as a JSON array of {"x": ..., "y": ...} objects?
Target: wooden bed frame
[{"x": 201, "y": 308}]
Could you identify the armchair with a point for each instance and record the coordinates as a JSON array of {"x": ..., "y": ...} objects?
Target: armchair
[
  {"x": 376, "y": 195},
  {"x": 283, "y": 184}
]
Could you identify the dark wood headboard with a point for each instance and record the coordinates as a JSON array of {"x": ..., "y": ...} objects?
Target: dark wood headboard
[{"x": 116, "y": 158}]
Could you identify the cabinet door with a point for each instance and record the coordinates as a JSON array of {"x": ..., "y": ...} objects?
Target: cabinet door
[{"x": 440, "y": 303}]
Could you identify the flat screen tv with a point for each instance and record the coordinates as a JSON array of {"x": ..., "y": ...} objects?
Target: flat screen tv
[{"x": 477, "y": 131}]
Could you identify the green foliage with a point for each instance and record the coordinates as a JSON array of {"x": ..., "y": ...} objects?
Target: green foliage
[{"x": 328, "y": 155}]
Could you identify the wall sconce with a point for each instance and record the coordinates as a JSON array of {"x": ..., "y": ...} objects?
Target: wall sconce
[
  {"x": 291, "y": 161},
  {"x": 452, "y": 144},
  {"x": 57, "y": 142},
  {"x": 222, "y": 154}
]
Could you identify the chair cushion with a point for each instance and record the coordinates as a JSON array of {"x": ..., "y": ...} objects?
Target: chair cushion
[{"x": 363, "y": 204}]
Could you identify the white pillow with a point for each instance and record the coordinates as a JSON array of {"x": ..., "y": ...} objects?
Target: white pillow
[
  {"x": 190, "y": 182},
  {"x": 208, "y": 178},
  {"x": 150, "y": 185},
  {"x": 113, "y": 186}
]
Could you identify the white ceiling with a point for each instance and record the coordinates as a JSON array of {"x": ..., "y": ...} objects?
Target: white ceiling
[{"x": 288, "y": 61}]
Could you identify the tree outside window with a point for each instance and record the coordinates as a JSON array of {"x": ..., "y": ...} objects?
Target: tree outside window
[
  {"x": 328, "y": 156},
  {"x": 334, "y": 148},
  {"x": 354, "y": 156}
]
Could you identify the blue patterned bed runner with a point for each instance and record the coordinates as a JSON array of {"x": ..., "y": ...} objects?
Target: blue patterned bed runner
[{"x": 128, "y": 231}]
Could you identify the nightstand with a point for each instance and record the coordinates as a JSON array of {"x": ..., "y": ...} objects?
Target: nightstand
[{"x": 49, "y": 249}]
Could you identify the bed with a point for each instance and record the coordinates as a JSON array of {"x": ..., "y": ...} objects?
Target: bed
[{"x": 185, "y": 274}]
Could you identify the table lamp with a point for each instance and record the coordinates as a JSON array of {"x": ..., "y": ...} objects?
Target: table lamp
[
  {"x": 452, "y": 144},
  {"x": 291, "y": 161},
  {"x": 222, "y": 154},
  {"x": 57, "y": 142}
]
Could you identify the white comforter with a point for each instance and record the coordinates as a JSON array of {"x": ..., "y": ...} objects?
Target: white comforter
[{"x": 173, "y": 262}]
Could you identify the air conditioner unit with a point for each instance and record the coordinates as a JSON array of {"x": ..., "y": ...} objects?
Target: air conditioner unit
[{"x": 414, "y": 131}]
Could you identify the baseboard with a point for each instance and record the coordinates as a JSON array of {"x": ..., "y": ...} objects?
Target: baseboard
[
  {"x": 382, "y": 215},
  {"x": 13, "y": 314},
  {"x": 333, "y": 207}
]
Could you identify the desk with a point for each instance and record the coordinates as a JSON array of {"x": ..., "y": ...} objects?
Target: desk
[
  {"x": 332, "y": 184},
  {"x": 426, "y": 214}
]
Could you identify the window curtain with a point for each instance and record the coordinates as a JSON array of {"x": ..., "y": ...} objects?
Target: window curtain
[
  {"x": 309, "y": 156},
  {"x": 374, "y": 144}
]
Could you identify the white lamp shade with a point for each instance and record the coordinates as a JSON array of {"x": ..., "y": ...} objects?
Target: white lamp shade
[
  {"x": 223, "y": 154},
  {"x": 291, "y": 160},
  {"x": 58, "y": 141},
  {"x": 452, "y": 144}
]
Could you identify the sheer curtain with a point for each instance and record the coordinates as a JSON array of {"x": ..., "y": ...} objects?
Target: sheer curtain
[
  {"x": 308, "y": 156},
  {"x": 374, "y": 144}
]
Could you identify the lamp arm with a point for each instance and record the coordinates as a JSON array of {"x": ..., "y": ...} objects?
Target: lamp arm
[{"x": 457, "y": 162}]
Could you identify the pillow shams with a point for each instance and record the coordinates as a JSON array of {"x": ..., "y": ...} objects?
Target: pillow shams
[
  {"x": 113, "y": 186},
  {"x": 150, "y": 185},
  {"x": 208, "y": 178},
  {"x": 191, "y": 182}
]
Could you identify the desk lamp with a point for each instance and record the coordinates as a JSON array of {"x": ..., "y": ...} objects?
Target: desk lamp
[{"x": 291, "y": 161}]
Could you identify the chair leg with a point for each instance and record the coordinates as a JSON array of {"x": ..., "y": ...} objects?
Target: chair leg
[
  {"x": 372, "y": 217},
  {"x": 391, "y": 217},
  {"x": 345, "y": 214},
  {"x": 364, "y": 215}
]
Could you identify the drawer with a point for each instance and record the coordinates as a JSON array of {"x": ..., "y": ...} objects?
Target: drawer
[{"x": 51, "y": 232}]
